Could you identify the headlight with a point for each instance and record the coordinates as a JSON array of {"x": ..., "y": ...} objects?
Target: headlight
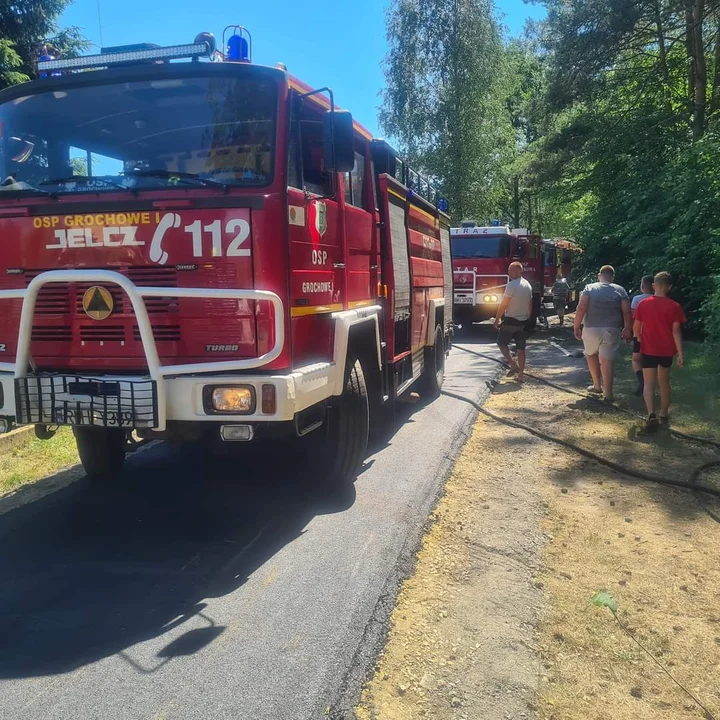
[
  {"x": 238, "y": 399},
  {"x": 486, "y": 299}
]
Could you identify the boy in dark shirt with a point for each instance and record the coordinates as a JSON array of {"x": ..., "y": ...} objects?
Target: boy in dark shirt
[
  {"x": 658, "y": 325},
  {"x": 646, "y": 291}
]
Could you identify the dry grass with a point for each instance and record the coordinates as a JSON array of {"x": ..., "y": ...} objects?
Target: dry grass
[
  {"x": 36, "y": 459},
  {"x": 653, "y": 548},
  {"x": 658, "y": 557}
]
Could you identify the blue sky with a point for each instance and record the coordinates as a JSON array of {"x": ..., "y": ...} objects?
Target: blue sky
[{"x": 340, "y": 44}]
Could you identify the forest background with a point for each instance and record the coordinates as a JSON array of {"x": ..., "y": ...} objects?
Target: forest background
[{"x": 600, "y": 124}]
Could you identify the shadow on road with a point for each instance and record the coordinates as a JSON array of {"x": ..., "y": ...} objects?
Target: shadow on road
[{"x": 90, "y": 570}]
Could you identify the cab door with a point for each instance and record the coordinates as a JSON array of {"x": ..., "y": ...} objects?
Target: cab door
[
  {"x": 315, "y": 233},
  {"x": 360, "y": 231}
]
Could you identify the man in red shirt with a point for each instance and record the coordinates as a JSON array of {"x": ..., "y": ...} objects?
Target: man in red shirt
[{"x": 658, "y": 325}]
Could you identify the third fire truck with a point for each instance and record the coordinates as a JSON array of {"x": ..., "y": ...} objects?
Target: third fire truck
[
  {"x": 559, "y": 255},
  {"x": 481, "y": 256},
  {"x": 195, "y": 246}
]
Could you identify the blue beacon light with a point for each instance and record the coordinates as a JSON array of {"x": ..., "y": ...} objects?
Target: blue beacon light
[
  {"x": 45, "y": 58},
  {"x": 238, "y": 49}
]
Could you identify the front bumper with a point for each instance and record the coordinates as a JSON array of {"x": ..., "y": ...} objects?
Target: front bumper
[{"x": 54, "y": 399}]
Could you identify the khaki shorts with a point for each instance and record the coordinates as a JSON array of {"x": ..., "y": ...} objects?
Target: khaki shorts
[{"x": 602, "y": 341}]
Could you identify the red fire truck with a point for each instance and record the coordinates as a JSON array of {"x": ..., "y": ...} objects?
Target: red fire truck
[
  {"x": 195, "y": 247},
  {"x": 481, "y": 256}
]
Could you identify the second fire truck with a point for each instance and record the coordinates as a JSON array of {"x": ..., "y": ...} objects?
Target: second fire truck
[
  {"x": 481, "y": 256},
  {"x": 195, "y": 246}
]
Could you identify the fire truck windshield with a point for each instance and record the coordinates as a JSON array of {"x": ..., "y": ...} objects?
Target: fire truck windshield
[
  {"x": 142, "y": 135},
  {"x": 488, "y": 246}
]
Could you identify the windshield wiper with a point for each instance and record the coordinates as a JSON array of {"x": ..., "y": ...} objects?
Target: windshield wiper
[
  {"x": 182, "y": 176},
  {"x": 86, "y": 178},
  {"x": 26, "y": 189}
]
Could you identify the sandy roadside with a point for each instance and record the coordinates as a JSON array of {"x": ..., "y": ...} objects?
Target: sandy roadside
[{"x": 497, "y": 621}]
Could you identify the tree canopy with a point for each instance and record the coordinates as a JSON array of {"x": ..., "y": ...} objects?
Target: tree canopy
[
  {"x": 633, "y": 104},
  {"x": 26, "y": 26},
  {"x": 445, "y": 92}
]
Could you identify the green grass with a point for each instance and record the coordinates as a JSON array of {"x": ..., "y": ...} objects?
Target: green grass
[
  {"x": 36, "y": 459},
  {"x": 696, "y": 389}
]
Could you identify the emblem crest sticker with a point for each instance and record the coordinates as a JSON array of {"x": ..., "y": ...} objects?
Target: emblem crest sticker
[
  {"x": 321, "y": 218},
  {"x": 98, "y": 303}
]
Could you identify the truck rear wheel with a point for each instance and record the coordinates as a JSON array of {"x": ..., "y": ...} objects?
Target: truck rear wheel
[
  {"x": 339, "y": 446},
  {"x": 101, "y": 450},
  {"x": 434, "y": 373}
]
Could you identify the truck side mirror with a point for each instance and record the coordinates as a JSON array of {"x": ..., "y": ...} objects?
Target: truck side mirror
[{"x": 339, "y": 141}]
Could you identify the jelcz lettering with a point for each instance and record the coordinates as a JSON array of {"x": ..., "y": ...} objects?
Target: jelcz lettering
[{"x": 78, "y": 237}]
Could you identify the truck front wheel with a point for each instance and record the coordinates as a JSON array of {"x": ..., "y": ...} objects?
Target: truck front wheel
[
  {"x": 339, "y": 447},
  {"x": 101, "y": 450},
  {"x": 433, "y": 375}
]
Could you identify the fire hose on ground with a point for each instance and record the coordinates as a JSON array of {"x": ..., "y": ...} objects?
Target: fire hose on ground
[{"x": 692, "y": 484}]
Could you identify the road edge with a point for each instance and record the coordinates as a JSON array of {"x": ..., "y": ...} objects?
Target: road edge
[
  {"x": 16, "y": 437},
  {"x": 375, "y": 635}
]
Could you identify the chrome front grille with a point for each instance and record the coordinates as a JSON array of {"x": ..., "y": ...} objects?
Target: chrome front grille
[{"x": 64, "y": 298}]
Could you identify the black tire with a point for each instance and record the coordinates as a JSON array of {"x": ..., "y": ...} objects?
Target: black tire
[
  {"x": 101, "y": 450},
  {"x": 537, "y": 311},
  {"x": 339, "y": 447},
  {"x": 433, "y": 375}
]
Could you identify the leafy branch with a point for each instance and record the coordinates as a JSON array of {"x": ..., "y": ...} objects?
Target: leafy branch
[{"x": 604, "y": 599}]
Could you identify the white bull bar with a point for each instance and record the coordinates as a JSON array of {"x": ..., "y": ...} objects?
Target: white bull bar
[{"x": 136, "y": 294}]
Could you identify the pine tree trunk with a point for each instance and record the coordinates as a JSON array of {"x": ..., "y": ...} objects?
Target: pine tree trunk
[
  {"x": 690, "y": 47},
  {"x": 662, "y": 47},
  {"x": 700, "y": 70},
  {"x": 715, "y": 96}
]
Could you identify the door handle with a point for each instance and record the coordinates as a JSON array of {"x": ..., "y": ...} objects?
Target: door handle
[{"x": 339, "y": 265}]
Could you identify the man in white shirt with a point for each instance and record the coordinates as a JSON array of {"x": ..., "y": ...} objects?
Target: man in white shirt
[
  {"x": 516, "y": 307},
  {"x": 602, "y": 319}
]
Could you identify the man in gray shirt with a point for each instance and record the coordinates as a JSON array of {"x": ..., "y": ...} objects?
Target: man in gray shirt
[
  {"x": 602, "y": 318},
  {"x": 515, "y": 311}
]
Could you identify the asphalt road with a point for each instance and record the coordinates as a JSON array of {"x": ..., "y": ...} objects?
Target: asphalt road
[{"x": 219, "y": 588}]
